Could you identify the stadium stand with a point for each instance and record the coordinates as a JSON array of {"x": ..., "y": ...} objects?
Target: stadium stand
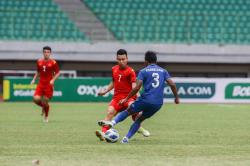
[
  {"x": 190, "y": 45},
  {"x": 176, "y": 21},
  {"x": 36, "y": 20},
  {"x": 85, "y": 20}
]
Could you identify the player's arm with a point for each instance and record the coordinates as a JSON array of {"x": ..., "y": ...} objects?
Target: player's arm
[
  {"x": 34, "y": 78},
  {"x": 133, "y": 91},
  {"x": 133, "y": 86},
  {"x": 174, "y": 90},
  {"x": 57, "y": 73},
  {"x": 133, "y": 80},
  {"x": 37, "y": 74},
  {"x": 109, "y": 88}
]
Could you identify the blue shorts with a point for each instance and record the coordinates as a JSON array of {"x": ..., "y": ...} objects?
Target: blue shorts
[{"x": 147, "y": 109}]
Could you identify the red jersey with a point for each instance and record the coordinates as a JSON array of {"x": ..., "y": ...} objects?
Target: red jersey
[
  {"x": 122, "y": 79},
  {"x": 46, "y": 69}
]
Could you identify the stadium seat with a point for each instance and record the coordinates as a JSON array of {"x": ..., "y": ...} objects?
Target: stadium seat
[
  {"x": 190, "y": 21},
  {"x": 36, "y": 20}
]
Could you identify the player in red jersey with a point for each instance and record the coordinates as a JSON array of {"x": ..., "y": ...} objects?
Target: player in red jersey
[
  {"x": 48, "y": 71},
  {"x": 123, "y": 80}
]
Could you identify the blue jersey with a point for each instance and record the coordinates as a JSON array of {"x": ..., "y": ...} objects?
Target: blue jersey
[{"x": 154, "y": 78}]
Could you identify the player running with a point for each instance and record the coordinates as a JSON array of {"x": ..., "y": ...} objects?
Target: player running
[
  {"x": 153, "y": 79},
  {"x": 123, "y": 80},
  {"x": 48, "y": 71}
]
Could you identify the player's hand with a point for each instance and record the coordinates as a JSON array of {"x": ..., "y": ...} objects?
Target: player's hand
[
  {"x": 51, "y": 82},
  {"x": 101, "y": 93},
  {"x": 138, "y": 94},
  {"x": 122, "y": 101},
  {"x": 32, "y": 82},
  {"x": 177, "y": 100}
]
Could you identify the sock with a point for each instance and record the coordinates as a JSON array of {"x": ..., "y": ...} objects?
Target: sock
[
  {"x": 135, "y": 116},
  {"x": 120, "y": 117},
  {"x": 133, "y": 129},
  {"x": 46, "y": 109},
  {"x": 105, "y": 128}
]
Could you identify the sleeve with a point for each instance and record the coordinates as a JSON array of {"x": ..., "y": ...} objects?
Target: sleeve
[
  {"x": 132, "y": 76},
  {"x": 167, "y": 75},
  {"x": 56, "y": 67},
  {"x": 37, "y": 66},
  {"x": 112, "y": 74},
  {"x": 140, "y": 76}
]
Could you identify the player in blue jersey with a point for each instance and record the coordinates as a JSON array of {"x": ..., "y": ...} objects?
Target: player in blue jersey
[{"x": 153, "y": 79}]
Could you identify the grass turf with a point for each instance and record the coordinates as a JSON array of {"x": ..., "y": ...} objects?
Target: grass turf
[{"x": 182, "y": 135}]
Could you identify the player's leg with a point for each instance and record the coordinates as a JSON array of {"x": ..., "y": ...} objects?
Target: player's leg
[
  {"x": 149, "y": 110},
  {"x": 39, "y": 101},
  {"x": 141, "y": 130},
  {"x": 46, "y": 98},
  {"x": 134, "y": 108},
  {"x": 134, "y": 117},
  {"x": 119, "y": 118},
  {"x": 37, "y": 98},
  {"x": 46, "y": 108},
  {"x": 111, "y": 112},
  {"x": 133, "y": 129}
]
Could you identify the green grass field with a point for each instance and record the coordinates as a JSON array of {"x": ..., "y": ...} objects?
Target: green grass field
[{"x": 182, "y": 135}]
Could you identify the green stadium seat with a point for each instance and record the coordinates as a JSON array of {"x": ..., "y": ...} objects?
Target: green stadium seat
[
  {"x": 35, "y": 20},
  {"x": 199, "y": 21}
]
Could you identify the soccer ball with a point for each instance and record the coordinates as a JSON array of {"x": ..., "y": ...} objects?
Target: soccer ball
[{"x": 111, "y": 136}]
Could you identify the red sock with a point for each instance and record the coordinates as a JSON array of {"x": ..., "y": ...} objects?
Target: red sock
[
  {"x": 46, "y": 109},
  {"x": 134, "y": 116},
  {"x": 105, "y": 128}
]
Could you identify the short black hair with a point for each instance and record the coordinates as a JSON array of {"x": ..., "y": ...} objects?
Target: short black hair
[
  {"x": 121, "y": 52},
  {"x": 150, "y": 57},
  {"x": 46, "y": 48}
]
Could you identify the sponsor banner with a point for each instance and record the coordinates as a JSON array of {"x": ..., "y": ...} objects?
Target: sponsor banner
[
  {"x": 211, "y": 90},
  {"x": 195, "y": 90},
  {"x": 80, "y": 89},
  {"x": 192, "y": 90},
  {"x": 237, "y": 91}
]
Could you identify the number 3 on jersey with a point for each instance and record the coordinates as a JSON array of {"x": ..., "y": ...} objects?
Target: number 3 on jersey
[{"x": 156, "y": 82}]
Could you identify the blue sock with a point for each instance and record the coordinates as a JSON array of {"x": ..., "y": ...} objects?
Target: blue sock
[
  {"x": 133, "y": 129},
  {"x": 120, "y": 117}
]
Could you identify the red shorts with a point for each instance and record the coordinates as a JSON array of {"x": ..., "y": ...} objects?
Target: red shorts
[
  {"x": 44, "y": 91},
  {"x": 115, "y": 103}
]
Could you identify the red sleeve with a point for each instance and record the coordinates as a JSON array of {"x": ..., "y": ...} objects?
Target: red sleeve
[
  {"x": 132, "y": 76},
  {"x": 37, "y": 68},
  {"x": 113, "y": 74},
  {"x": 56, "y": 67}
]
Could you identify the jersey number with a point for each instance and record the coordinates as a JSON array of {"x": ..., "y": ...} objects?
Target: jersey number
[
  {"x": 156, "y": 82},
  {"x": 120, "y": 76},
  {"x": 44, "y": 68}
]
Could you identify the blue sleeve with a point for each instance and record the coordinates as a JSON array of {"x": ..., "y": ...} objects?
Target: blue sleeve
[
  {"x": 140, "y": 76},
  {"x": 167, "y": 75}
]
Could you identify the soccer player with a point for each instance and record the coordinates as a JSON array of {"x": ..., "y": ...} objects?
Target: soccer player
[
  {"x": 153, "y": 79},
  {"x": 123, "y": 80},
  {"x": 48, "y": 71}
]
